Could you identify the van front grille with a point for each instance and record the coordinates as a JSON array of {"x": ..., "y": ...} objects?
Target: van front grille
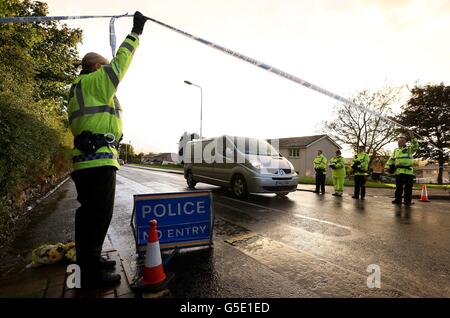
[{"x": 276, "y": 171}]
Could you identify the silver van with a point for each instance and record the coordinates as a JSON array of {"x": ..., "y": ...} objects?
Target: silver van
[{"x": 244, "y": 165}]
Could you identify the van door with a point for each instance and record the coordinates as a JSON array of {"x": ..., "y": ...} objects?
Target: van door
[
  {"x": 205, "y": 169},
  {"x": 225, "y": 160}
]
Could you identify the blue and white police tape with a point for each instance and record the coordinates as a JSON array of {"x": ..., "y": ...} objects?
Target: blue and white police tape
[
  {"x": 225, "y": 50},
  {"x": 30, "y": 19},
  {"x": 288, "y": 76}
]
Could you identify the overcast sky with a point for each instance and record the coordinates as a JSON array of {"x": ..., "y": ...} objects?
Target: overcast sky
[{"x": 343, "y": 46}]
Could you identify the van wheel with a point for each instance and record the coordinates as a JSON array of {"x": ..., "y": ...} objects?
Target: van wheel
[
  {"x": 282, "y": 194},
  {"x": 190, "y": 180},
  {"x": 239, "y": 187}
]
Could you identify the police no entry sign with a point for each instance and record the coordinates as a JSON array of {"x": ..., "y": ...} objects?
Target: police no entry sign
[{"x": 185, "y": 219}]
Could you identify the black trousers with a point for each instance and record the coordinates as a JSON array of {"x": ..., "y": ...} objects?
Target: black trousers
[
  {"x": 320, "y": 182},
  {"x": 360, "y": 186},
  {"x": 95, "y": 188},
  {"x": 403, "y": 185}
]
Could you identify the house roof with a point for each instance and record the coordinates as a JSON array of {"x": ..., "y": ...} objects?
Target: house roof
[{"x": 303, "y": 141}]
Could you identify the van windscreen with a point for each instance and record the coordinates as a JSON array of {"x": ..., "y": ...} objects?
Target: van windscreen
[{"x": 253, "y": 146}]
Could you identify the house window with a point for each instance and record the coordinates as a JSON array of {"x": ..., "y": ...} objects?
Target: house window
[{"x": 294, "y": 152}]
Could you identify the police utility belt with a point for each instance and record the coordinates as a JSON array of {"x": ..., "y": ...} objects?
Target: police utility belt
[
  {"x": 89, "y": 142},
  {"x": 393, "y": 168}
]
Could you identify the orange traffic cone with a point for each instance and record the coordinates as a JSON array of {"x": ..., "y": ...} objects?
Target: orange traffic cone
[
  {"x": 424, "y": 194},
  {"x": 153, "y": 279}
]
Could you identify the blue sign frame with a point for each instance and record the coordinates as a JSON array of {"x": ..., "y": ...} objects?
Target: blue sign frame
[{"x": 185, "y": 219}]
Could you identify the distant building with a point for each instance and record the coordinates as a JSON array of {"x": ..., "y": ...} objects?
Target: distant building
[
  {"x": 160, "y": 159},
  {"x": 301, "y": 151},
  {"x": 429, "y": 173}
]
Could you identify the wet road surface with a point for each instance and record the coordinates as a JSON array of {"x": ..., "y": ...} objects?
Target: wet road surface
[
  {"x": 305, "y": 245},
  {"x": 313, "y": 245}
]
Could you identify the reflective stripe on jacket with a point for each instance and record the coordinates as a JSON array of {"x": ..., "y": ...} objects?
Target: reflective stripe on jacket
[
  {"x": 339, "y": 163},
  {"x": 403, "y": 159},
  {"x": 93, "y": 106},
  {"x": 364, "y": 159},
  {"x": 320, "y": 162}
]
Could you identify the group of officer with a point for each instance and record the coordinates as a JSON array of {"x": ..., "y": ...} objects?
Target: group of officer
[{"x": 399, "y": 164}]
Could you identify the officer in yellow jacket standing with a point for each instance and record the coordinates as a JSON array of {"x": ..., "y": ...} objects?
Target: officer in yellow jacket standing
[
  {"x": 400, "y": 163},
  {"x": 360, "y": 167},
  {"x": 320, "y": 166},
  {"x": 337, "y": 164},
  {"x": 95, "y": 121}
]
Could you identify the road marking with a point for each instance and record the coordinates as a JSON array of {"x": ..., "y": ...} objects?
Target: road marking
[
  {"x": 298, "y": 215},
  {"x": 286, "y": 258},
  {"x": 240, "y": 237}
]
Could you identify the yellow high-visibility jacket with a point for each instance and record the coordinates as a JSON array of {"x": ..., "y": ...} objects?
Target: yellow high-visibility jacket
[
  {"x": 94, "y": 107},
  {"x": 363, "y": 158},
  {"x": 403, "y": 159},
  {"x": 320, "y": 162},
  {"x": 338, "y": 163}
]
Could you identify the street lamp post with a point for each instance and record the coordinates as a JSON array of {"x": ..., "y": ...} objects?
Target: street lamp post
[{"x": 201, "y": 104}]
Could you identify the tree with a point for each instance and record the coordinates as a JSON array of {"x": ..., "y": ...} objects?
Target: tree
[
  {"x": 352, "y": 126},
  {"x": 36, "y": 68},
  {"x": 138, "y": 157},
  {"x": 126, "y": 152},
  {"x": 428, "y": 112},
  {"x": 51, "y": 48}
]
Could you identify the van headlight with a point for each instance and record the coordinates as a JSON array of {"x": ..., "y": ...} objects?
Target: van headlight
[{"x": 256, "y": 164}]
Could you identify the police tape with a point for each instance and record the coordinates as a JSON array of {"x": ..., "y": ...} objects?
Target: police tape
[
  {"x": 225, "y": 50},
  {"x": 290, "y": 77},
  {"x": 30, "y": 19}
]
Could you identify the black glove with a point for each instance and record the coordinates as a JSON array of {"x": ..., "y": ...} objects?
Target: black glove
[
  {"x": 392, "y": 169},
  {"x": 138, "y": 23}
]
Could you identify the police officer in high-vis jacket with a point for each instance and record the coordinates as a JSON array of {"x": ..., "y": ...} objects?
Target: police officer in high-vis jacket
[
  {"x": 337, "y": 165},
  {"x": 360, "y": 167},
  {"x": 95, "y": 121},
  {"x": 400, "y": 163},
  {"x": 320, "y": 166}
]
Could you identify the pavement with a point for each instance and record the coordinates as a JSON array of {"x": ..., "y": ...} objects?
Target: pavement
[
  {"x": 50, "y": 282},
  {"x": 305, "y": 245}
]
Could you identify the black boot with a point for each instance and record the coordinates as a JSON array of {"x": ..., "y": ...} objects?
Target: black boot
[
  {"x": 108, "y": 279},
  {"x": 107, "y": 264}
]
